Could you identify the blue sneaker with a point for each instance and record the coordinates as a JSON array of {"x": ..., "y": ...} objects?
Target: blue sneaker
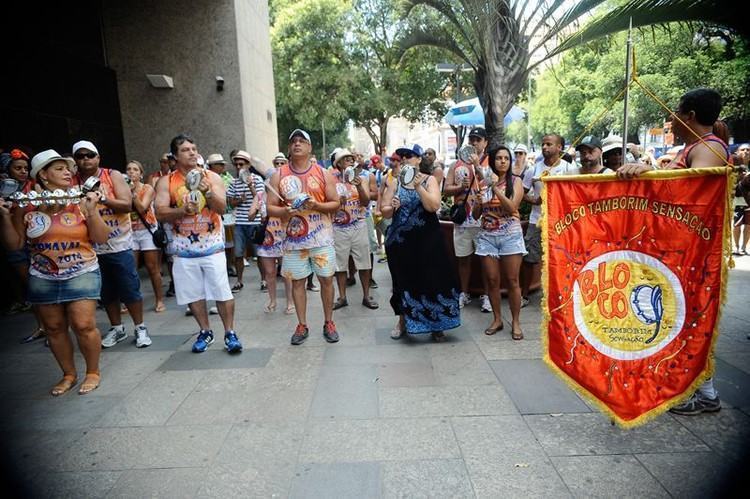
[
  {"x": 231, "y": 342},
  {"x": 205, "y": 338}
]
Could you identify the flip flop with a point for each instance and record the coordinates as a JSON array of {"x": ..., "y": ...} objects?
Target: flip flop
[
  {"x": 517, "y": 335},
  {"x": 237, "y": 287},
  {"x": 67, "y": 382},
  {"x": 490, "y": 331},
  {"x": 340, "y": 303},
  {"x": 269, "y": 308},
  {"x": 160, "y": 307},
  {"x": 289, "y": 310},
  {"x": 370, "y": 303},
  {"x": 90, "y": 383}
]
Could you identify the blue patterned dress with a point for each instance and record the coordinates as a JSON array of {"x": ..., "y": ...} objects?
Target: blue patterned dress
[{"x": 425, "y": 285}]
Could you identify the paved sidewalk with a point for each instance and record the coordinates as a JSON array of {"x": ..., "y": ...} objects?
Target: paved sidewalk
[{"x": 475, "y": 416}]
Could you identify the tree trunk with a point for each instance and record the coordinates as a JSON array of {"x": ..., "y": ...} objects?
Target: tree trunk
[{"x": 380, "y": 149}]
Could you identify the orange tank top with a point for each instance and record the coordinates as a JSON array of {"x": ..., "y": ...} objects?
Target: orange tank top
[
  {"x": 682, "y": 159},
  {"x": 120, "y": 235},
  {"x": 59, "y": 243},
  {"x": 349, "y": 215},
  {"x": 150, "y": 217},
  {"x": 194, "y": 235},
  {"x": 496, "y": 220},
  {"x": 306, "y": 228}
]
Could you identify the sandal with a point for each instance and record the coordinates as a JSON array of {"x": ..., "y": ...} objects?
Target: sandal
[
  {"x": 517, "y": 335},
  {"x": 269, "y": 308},
  {"x": 490, "y": 331},
  {"x": 340, "y": 303},
  {"x": 90, "y": 383},
  {"x": 397, "y": 332},
  {"x": 237, "y": 287},
  {"x": 67, "y": 382},
  {"x": 36, "y": 335},
  {"x": 370, "y": 303},
  {"x": 160, "y": 307},
  {"x": 289, "y": 310}
]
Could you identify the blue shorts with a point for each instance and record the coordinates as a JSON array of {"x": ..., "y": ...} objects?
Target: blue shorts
[
  {"x": 49, "y": 292},
  {"x": 120, "y": 281},
  {"x": 19, "y": 258},
  {"x": 298, "y": 264},
  {"x": 242, "y": 234},
  {"x": 499, "y": 245}
]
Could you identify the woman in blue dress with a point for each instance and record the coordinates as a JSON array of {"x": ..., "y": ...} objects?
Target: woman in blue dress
[{"x": 425, "y": 285}]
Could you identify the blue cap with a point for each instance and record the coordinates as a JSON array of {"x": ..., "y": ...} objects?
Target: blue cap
[{"x": 415, "y": 149}]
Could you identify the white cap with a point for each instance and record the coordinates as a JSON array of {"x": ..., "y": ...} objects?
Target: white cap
[
  {"x": 44, "y": 158},
  {"x": 85, "y": 144},
  {"x": 521, "y": 148},
  {"x": 298, "y": 132},
  {"x": 242, "y": 155},
  {"x": 611, "y": 142}
]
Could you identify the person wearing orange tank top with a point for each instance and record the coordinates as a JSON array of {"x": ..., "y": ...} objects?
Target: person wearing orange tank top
[
  {"x": 200, "y": 263},
  {"x": 64, "y": 281},
  {"x": 143, "y": 240},
  {"x": 304, "y": 197},
  {"x": 697, "y": 113},
  {"x": 120, "y": 280}
]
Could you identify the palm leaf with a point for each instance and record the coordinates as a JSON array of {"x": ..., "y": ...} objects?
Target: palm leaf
[{"x": 418, "y": 37}]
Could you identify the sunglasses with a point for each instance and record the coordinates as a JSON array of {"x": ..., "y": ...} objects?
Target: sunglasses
[
  {"x": 240, "y": 163},
  {"x": 81, "y": 155},
  {"x": 279, "y": 163}
]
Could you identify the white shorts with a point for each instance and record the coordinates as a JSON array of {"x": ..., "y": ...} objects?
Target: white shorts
[
  {"x": 354, "y": 242},
  {"x": 143, "y": 241},
  {"x": 464, "y": 240},
  {"x": 201, "y": 278}
]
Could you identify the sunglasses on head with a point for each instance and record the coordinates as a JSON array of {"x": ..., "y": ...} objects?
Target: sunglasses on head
[{"x": 81, "y": 155}]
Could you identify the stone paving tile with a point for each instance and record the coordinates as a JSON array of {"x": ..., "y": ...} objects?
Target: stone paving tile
[
  {"x": 689, "y": 475},
  {"x": 348, "y": 356},
  {"x": 346, "y": 392},
  {"x": 461, "y": 364},
  {"x": 726, "y": 432},
  {"x": 535, "y": 389},
  {"x": 504, "y": 459},
  {"x": 426, "y": 401},
  {"x": 360, "y": 480},
  {"x": 165, "y": 342},
  {"x": 495, "y": 349},
  {"x": 89, "y": 484},
  {"x": 405, "y": 374},
  {"x": 127, "y": 371},
  {"x": 733, "y": 384},
  {"x": 174, "y": 483},
  {"x": 217, "y": 359},
  {"x": 592, "y": 434},
  {"x": 226, "y": 407},
  {"x": 33, "y": 452},
  {"x": 378, "y": 440},
  {"x": 740, "y": 360},
  {"x": 70, "y": 411},
  {"x": 434, "y": 479},
  {"x": 153, "y": 401},
  {"x": 143, "y": 448},
  {"x": 608, "y": 476}
]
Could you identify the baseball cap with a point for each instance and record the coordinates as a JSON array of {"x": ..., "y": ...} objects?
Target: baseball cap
[
  {"x": 589, "y": 141},
  {"x": 415, "y": 149},
  {"x": 375, "y": 159},
  {"x": 44, "y": 158},
  {"x": 521, "y": 148},
  {"x": 478, "y": 132},
  {"x": 297, "y": 132},
  {"x": 214, "y": 159},
  {"x": 84, "y": 144}
]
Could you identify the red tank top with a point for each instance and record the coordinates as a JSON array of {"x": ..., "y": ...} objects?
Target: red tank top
[{"x": 682, "y": 159}]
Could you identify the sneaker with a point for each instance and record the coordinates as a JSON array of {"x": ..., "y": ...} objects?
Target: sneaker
[
  {"x": 142, "y": 339},
  {"x": 524, "y": 301},
  {"x": 231, "y": 342},
  {"x": 300, "y": 334},
  {"x": 463, "y": 300},
  {"x": 696, "y": 405},
  {"x": 204, "y": 339},
  {"x": 188, "y": 312},
  {"x": 383, "y": 259},
  {"x": 213, "y": 310},
  {"x": 263, "y": 286},
  {"x": 170, "y": 290},
  {"x": 313, "y": 287},
  {"x": 486, "y": 305},
  {"x": 330, "y": 333},
  {"x": 114, "y": 336},
  {"x": 373, "y": 284}
]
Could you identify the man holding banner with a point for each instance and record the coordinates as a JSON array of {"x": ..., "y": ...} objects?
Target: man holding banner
[{"x": 632, "y": 315}]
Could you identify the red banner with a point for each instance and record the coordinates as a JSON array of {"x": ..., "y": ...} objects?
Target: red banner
[{"x": 634, "y": 276}]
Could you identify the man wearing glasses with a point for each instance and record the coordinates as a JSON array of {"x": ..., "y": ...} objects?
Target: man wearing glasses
[{"x": 120, "y": 281}]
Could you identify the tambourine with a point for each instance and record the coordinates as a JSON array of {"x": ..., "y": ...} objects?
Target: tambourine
[
  {"x": 348, "y": 175},
  {"x": 193, "y": 179},
  {"x": 464, "y": 154},
  {"x": 299, "y": 202},
  {"x": 245, "y": 175},
  {"x": 407, "y": 175},
  {"x": 8, "y": 187}
]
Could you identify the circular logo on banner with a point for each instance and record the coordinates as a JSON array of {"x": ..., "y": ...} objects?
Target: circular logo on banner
[
  {"x": 628, "y": 304},
  {"x": 291, "y": 187},
  {"x": 297, "y": 227},
  {"x": 37, "y": 223}
]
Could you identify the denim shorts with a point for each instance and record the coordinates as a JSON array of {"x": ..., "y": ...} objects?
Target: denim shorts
[
  {"x": 120, "y": 281},
  {"x": 242, "y": 233},
  {"x": 498, "y": 245},
  {"x": 86, "y": 286}
]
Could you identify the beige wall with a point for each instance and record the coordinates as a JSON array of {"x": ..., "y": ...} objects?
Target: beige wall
[{"x": 193, "y": 42}]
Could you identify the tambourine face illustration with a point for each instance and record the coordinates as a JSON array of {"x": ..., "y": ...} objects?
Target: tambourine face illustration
[
  {"x": 348, "y": 175},
  {"x": 193, "y": 179},
  {"x": 9, "y": 186},
  {"x": 245, "y": 175},
  {"x": 406, "y": 177},
  {"x": 464, "y": 154}
]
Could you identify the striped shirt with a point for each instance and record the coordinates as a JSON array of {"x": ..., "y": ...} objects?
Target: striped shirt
[{"x": 238, "y": 189}]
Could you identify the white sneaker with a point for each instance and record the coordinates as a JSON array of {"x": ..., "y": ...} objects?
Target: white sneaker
[
  {"x": 213, "y": 310},
  {"x": 114, "y": 336},
  {"x": 188, "y": 312},
  {"x": 463, "y": 300},
  {"x": 142, "y": 339},
  {"x": 524, "y": 301},
  {"x": 486, "y": 305}
]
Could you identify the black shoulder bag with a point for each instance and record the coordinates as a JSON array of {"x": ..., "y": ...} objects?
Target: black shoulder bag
[{"x": 158, "y": 235}]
